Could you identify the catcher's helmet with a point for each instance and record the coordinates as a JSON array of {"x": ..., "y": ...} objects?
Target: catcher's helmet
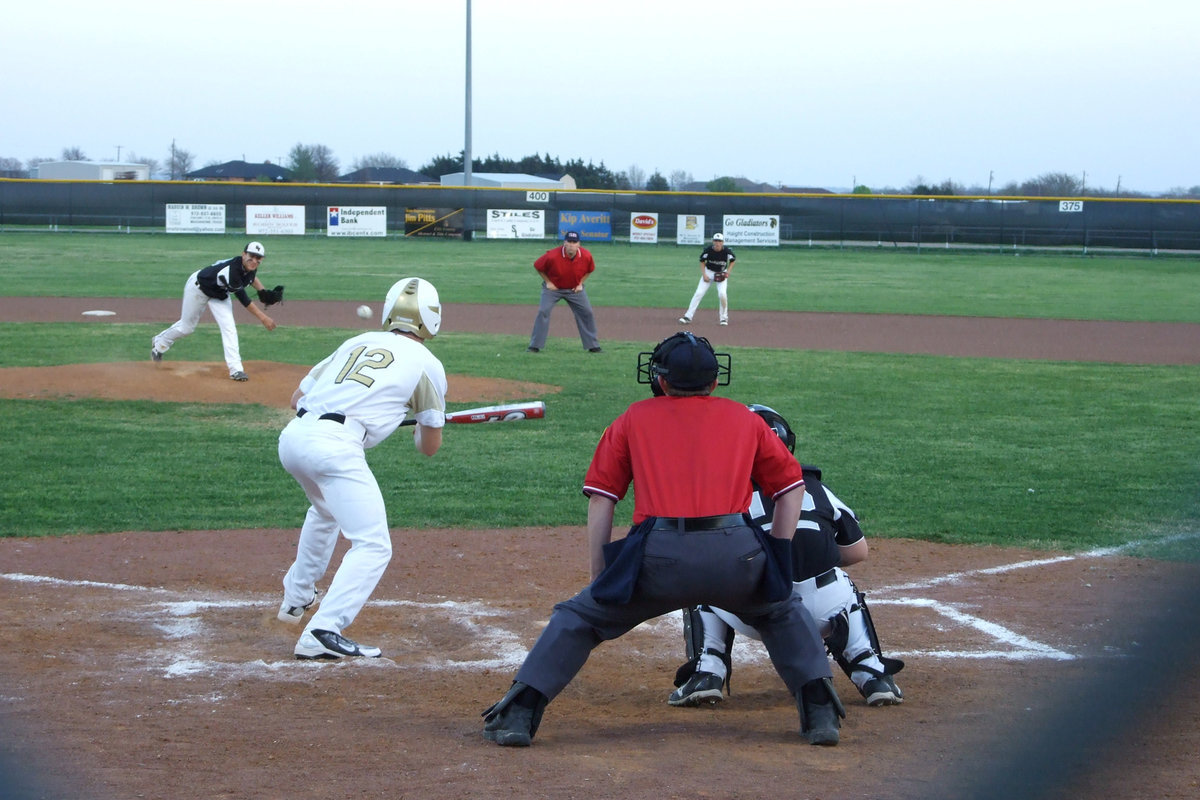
[
  {"x": 685, "y": 361},
  {"x": 777, "y": 424},
  {"x": 412, "y": 305}
]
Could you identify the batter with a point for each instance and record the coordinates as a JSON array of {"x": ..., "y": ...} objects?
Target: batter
[{"x": 351, "y": 401}]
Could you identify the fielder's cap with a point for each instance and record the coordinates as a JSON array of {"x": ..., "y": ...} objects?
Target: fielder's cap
[
  {"x": 572, "y": 236},
  {"x": 717, "y": 237},
  {"x": 689, "y": 363},
  {"x": 256, "y": 249}
]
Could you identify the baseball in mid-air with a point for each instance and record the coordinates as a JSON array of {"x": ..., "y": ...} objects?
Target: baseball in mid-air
[{"x": 364, "y": 312}]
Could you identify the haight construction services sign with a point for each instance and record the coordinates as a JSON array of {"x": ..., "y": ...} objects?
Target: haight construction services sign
[{"x": 751, "y": 229}]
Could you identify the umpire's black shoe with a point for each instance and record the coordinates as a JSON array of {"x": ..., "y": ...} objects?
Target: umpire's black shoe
[
  {"x": 533, "y": 349},
  {"x": 595, "y": 350},
  {"x": 702, "y": 687},
  {"x": 515, "y": 719},
  {"x": 820, "y": 712}
]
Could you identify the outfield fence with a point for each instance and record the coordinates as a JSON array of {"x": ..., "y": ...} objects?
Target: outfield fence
[{"x": 1084, "y": 223}]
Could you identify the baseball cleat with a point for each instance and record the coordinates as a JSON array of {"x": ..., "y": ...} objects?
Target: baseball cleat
[
  {"x": 724, "y": 322},
  {"x": 882, "y": 692},
  {"x": 293, "y": 614},
  {"x": 327, "y": 644},
  {"x": 702, "y": 687},
  {"x": 239, "y": 376},
  {"x": 155, "y": 356},
  {"x": 685, "y": 320}
]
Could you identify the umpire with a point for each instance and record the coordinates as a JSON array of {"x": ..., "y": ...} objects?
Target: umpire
[{"x": 691, "y": 541}]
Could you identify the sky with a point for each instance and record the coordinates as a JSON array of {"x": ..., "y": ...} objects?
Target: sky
[{"x": 788, "y": 92}]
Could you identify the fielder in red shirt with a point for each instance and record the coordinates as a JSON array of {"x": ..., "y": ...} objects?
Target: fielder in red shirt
[{"x": 692, "y": 538}]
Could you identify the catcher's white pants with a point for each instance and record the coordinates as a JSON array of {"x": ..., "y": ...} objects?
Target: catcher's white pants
[
  {"x": 702, "y": 289},
  {"x": 824, "y": 603},
  {"x": 328, "y": 461},
  {"x": 194, "y": 303}
]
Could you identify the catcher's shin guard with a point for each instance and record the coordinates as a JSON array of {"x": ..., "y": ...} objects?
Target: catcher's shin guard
[{"x": 839, "y": 638}]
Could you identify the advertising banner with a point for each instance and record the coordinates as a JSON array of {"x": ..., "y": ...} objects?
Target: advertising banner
[
  {"x": 689, "y": 229},
  {"x": 442, "y": 223},
  {"x": 356, "y": 221},
  {"x": 593, "y": 226},
  {"x": 509, "y": 223},
  {"x": 644, "y": 227},
  {"x": 275, "y": 220},
  {"x": 752, "y": 229},
  {"x": 193, "y": 218}
]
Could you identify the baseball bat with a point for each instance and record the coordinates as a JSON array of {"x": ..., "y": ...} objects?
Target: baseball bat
[{"x": 509, "y": 412}]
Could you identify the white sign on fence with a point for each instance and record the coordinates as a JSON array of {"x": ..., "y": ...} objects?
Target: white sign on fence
[
  {"x": 195, "y": 218},
  {"x": 644, "y": 227},
  {"x": 356, "y": 221},
  {"x": 752, "y": 229},
  {"x": 689, "y": 229},
  {"x": 275, "y": 220},
  {"x": 508, "y": 223},
  {"x": 1070, "y": 206}
]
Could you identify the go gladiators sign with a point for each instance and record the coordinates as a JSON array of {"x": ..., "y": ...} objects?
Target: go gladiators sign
[{"x": 751, "y": 229}]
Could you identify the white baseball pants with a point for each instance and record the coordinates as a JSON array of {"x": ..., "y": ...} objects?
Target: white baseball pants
[
  {"x": 328, "y": 461},
  {"x": 194, "y": 303},
  {"x": 702, "y": 289}
]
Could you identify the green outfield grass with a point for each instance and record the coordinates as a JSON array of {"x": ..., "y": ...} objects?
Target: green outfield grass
[
  {"x": 928, "y": 447},
  {"x": 956, "y": 282},
  {"x": 922, "y": 446}
]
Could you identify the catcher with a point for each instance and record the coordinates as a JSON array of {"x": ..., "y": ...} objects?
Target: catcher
[
  {"x": 827, "y": 535},
  {"x": 716, "y": 262},
  {"x": 210, "y": 288}
]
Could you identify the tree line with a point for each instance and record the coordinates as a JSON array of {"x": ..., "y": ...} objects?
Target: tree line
[{"x": 316, "y": 163}]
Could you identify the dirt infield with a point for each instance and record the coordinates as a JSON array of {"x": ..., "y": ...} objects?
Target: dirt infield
[{"x": 151, "y": 664}]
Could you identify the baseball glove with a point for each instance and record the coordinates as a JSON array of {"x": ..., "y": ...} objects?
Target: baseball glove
[
  {"x": 270, "y": 297},
  {"x": 720, "y": 276}
]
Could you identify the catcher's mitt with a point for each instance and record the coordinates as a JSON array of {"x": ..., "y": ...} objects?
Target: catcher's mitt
[
  {"x": 720, "y": 276},
  {"x": 270, "y": 297}
]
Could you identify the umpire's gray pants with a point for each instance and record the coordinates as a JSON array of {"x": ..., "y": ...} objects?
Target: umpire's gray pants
[
  {"x": 581, "y": 307},
  {"x": 723, "y": 568}
]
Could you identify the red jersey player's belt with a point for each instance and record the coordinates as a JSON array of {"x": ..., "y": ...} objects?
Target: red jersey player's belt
[{"x": 687, "y": 524}]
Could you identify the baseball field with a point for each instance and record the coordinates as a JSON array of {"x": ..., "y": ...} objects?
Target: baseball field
[{"x": 1018, "y": 434}]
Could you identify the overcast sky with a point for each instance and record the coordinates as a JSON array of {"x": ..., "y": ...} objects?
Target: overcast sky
[{"x": 802, "y": 93}]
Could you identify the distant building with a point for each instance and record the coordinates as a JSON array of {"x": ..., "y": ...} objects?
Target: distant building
[
  {"x": 91, "y": 171},
  {"x": 241, "y": 171},
  {"x": 385, "y": 175},
  {"x": 509, "y": 180}
]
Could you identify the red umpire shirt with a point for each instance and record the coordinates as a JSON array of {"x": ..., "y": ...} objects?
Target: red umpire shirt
[
  {"x": 690, "y": 457},
  {"x": 565, "y": 273}
]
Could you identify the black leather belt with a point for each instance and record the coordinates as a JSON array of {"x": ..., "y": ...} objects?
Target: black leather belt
[
  {"x": 827, "y": 577},
  {"x": 338, "y": 418},
  {"x": 698, "y": 523}
]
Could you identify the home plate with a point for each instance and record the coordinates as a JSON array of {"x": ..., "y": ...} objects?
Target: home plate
[{"x": 99, "y": 313}]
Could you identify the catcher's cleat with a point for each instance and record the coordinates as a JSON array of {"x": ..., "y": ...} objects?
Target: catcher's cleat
[
  {"x": 293, "y": 614},
  {"x": 882, "y": 691},
  {"x": 327, "y": 644},
  {"x": 702, "y": 687},
  {"x": 685, "y": 320},
  {"x": 239, "y": 376}
]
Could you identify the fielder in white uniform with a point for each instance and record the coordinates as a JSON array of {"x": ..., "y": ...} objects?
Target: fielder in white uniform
[
  {"x": 210, "y": 288},
  {"x": 352, "y": 401},
  {"x": 827, "y": 538},
  {"x": 716, "y": 264}
]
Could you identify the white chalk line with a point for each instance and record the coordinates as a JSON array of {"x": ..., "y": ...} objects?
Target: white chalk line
[{"x": 181, "y": 622}]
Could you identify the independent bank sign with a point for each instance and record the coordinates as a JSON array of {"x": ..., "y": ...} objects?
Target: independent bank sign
[
  {"x": 356, "y": 221},
  {"x": 751, "y": 229}
]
